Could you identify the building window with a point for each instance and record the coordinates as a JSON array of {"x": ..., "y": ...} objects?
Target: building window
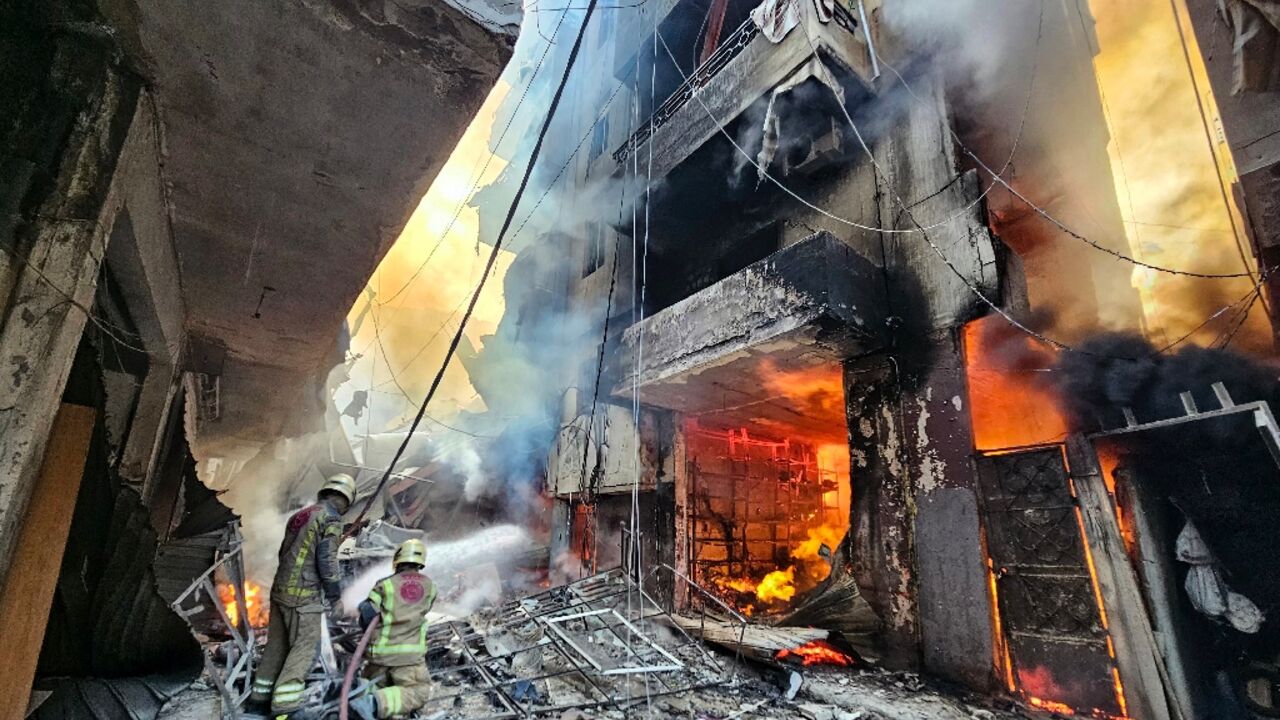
[
  {"x": 599, "y": 141},
  {"x": 595, "y": 248}
]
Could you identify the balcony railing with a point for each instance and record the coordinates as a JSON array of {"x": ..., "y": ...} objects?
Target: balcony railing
[
  {"x": 727, "y": 51},
  {"x": 732, "y": 46}
]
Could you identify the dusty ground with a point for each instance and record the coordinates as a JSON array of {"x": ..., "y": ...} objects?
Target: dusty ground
[
  {"x": 824, "y": 694},
  {"x": 198, "y": 702}
]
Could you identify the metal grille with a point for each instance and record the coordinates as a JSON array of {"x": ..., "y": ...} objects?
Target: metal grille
[
  {"x": 728, "y": 50},
  {"x": 1048, "y": 609},
  {"x": 600, "y": 642},
  {"x": 750, "y": 502}
]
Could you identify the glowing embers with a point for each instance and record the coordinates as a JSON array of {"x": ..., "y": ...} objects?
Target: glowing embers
[
  {"x": 760, "y": 511},
  {"x": 256, "y": 607},
  {"x": 815, "y": 652}
]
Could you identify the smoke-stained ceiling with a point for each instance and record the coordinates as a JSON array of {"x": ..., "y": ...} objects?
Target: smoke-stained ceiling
[{"x": 297, "y": 137}]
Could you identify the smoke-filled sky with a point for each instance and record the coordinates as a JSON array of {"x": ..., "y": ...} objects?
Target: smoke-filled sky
[
  {"x": 1165, "y": 172},
  {"x": 403, "y": 341}
]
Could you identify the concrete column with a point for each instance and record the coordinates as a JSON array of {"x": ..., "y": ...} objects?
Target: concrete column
[
  {"x": 953, "y": 604},
  {"x": 916, "y": 539},
  {"x": 55, "y": 283},
  {"x": 25, "y": 600},
  {"x": 880, "y": 515}
]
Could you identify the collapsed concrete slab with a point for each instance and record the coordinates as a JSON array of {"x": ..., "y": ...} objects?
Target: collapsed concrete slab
[{"x": 296, "y": 139}]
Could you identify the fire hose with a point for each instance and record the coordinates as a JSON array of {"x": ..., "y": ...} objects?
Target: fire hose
[{"x": 349, "y": 677}]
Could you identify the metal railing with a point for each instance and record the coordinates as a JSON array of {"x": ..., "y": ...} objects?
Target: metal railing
[
  {"x": 232, "y": 674},
  {"x": 704, "y": 73},
  {"x": 728, "y": 50}
]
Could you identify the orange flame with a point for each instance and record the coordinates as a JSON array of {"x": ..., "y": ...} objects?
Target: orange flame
[
  {"x": 257, "y": 610},
  {"x": 1009, "y": 408},
  {"x": 815, "y": 652},
  {"x": 778, "y": 585}
]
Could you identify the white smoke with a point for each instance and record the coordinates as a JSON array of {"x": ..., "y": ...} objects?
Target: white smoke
[
  {"x": 972, "y": 35},
  {"x": 468, "y": 571},
  {"x": 281, "y": 478},
  {"x": 465, "y": 460}
]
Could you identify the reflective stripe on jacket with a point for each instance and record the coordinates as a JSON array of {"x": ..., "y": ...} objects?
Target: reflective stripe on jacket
[
  {"x": 402, "y": 602},
  {"x": 308, "y": 563}
]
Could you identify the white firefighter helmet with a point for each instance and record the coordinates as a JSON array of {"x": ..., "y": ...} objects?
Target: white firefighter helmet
[{"x": 342, "y": 484}]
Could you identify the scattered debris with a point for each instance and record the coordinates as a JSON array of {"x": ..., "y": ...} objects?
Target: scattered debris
[{"x": 600, "y": 642}]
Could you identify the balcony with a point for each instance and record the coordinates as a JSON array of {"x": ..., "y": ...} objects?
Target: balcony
[
  {"x": 812, "y": 304},
  {"x": 744, "y": 69}
]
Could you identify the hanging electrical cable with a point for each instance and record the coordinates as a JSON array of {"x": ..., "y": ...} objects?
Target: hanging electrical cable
[
  {"x": 488, "y": 268},
  {"x": 492, "y": 153},
  {"x": 919, "y": 228},
  {"x": 997, "y": 177},
  {"x": 1045, "y": 213}
]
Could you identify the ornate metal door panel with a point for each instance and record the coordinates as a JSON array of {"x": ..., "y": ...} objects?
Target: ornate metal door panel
[{"x": 1049, "y": 612}]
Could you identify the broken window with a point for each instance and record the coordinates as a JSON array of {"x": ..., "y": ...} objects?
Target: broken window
[{"x": 596, "y": 250}]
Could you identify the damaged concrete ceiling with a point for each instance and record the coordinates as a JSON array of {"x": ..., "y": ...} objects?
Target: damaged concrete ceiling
[
  {"x": 297, "y": 137},
  {"x": 762, "y": 348}
]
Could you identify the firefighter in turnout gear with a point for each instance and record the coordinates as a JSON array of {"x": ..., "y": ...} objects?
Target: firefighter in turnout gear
[
  {"x": 398, "y": 653},
  {"x": 308, "y": 576}
]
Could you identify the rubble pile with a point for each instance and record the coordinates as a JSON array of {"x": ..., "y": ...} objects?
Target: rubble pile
[
  {"x": 600, "y": 647},
  {"x": 600, "y": 642}
]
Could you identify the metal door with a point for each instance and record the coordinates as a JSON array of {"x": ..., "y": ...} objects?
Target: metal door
[{"x": 1057, "y": 645}]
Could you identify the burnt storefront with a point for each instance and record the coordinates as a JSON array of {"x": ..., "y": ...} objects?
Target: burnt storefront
[{"x": 821, "y": 394}]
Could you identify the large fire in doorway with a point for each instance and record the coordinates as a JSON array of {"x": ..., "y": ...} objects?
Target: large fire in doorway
[
  {"x": 1014, "y": 411},
  {"x": 762, "y": 511}
]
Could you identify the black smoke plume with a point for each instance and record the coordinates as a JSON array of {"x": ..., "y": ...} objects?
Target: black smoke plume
[{"x": 1113, "y": 371}]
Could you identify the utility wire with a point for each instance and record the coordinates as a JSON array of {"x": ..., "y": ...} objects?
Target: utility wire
[
  {"x": 111, "y": 331},
  {"x": 431, "y": 340},
  {"x": 1253, "y": 291},
  {"x": 568, "y": 160},
  {"x": 937, "y": 250},
  {"x": 1208, "y": 136},
  {"x": 493, "y": 257},
  {"x": 386, "y": 360},
  {"x": 604, "y": 340},
  {"x": 1243, "y": 318},
  {"x": 1050, "y": 218},
  {"x": 492, "y": 153},
  {"x": 919, "y": 228},
  {"x": 925, "y": 228}
]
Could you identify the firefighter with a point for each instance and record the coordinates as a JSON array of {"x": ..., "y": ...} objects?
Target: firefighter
[
  {"x": 308, "y": 576},
  {"x": 398, "y": 652}
]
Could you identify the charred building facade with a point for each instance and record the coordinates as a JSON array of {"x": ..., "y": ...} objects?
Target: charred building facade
[
  {"x": 1236, "y": 48},
  {"x": 797, "y": 219}
]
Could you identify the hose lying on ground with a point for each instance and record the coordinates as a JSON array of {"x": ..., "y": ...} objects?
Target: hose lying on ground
[{"x": 353, "y": 665}]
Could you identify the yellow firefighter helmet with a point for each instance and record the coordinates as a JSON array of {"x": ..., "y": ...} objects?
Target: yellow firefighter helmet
[
  {"x": 342, "y": 484},
  {"x": 411, "y": 552}
]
